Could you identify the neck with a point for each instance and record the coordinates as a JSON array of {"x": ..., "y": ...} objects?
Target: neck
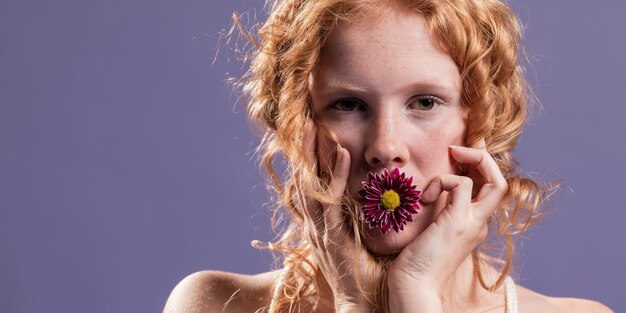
[{"x": 462, "y": 292}]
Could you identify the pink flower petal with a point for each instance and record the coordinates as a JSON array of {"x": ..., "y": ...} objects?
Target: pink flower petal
[{"x": 378, "y": 216}]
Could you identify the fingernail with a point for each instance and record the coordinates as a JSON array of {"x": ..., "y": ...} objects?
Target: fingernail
[
  {"x": 338, "y": 152},
  {"x": 457, "y": 147}
]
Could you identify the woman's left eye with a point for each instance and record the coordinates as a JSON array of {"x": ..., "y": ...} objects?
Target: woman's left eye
[{"x": 425, "y": 103}]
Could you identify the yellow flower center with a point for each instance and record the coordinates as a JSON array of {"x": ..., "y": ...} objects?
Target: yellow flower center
[{"x": 390, "y": 200}]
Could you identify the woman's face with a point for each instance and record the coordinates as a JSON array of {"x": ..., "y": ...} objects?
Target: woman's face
[{"x": 392, "y": 98}]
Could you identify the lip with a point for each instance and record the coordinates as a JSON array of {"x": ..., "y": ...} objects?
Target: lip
[
  {"x": 389, "y": 200},
  {"x": 357, "y": 185}
]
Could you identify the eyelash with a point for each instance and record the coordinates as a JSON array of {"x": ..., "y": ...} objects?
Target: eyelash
[
  {"x": 335, "y": 104},
  {"x": 436, "y": 101}
]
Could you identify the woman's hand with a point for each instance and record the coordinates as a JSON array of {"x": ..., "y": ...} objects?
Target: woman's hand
[
  {"x": 418, "y": 275},
  {"x": 334, "y": 247}
]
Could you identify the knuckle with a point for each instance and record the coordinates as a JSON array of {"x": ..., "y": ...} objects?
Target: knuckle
[
  {"x": 466, "y": 182},
  {"x": 502, "y": 186},
  {"x": 505, "y": 185},
  {"x": 460, "y": 232},
  {"x": 438, "y": 180}
]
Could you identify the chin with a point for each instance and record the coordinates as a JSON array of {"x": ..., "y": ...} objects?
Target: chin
[{"x": 393, "y": 242}]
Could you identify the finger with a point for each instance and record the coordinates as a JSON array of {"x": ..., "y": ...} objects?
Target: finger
[
  {"x": 333, "y": 215},
  {"x": 459, "y": 187},
  {"x": 479, "y": 158},
  {"x": 495, "y": 185},
  {"x": 310, "y": 143},
  {"x": 312, "y": 209}
]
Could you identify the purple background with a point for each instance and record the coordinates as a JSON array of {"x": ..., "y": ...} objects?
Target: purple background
[{"x": 125, "y": 159}]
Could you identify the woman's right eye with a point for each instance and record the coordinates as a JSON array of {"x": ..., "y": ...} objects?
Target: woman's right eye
[{"x": 347, "y": 105}]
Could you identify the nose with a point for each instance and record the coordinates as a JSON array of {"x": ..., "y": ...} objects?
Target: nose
[{"x": 386, "y": 147}]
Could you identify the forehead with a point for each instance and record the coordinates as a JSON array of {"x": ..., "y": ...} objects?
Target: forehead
[{"x": 392, "y": 48}]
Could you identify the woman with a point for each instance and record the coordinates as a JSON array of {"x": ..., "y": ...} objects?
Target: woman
[{"x": 357, "y": 93}]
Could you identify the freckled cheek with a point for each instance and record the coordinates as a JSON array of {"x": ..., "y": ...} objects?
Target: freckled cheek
[
  {"x": 348, "y": 137},
  {"x": 433, "y": 157},
  {"x": 353, "y": 140},
  {"x": 433, "y": 160}
]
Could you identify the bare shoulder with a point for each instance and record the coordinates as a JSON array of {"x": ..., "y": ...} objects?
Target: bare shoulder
[
  {"x": 214, "y": 291},
  {"x": 530, "y": 301},
  {"x": 576, "y": 305}
]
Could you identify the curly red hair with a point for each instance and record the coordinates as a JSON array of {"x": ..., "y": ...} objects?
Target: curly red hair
[{"x": 483, "y": 37}]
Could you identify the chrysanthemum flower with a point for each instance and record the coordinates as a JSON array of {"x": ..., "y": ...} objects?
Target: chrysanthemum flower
[{"x": 389, "y": 200}]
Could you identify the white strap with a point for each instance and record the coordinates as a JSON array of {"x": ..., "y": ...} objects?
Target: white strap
[
  {"x": 511, "y": 295},
  {"x": 278, "y": 288}
]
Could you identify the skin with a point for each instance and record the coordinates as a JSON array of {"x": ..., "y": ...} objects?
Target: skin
[
  {"x": 387, "y": 112},
  {"x": 402, "y": 110}
]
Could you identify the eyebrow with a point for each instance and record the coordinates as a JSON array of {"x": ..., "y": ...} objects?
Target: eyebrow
[
  {"x": 343, "y": 86},
  {"x": 336, "y": 86}
]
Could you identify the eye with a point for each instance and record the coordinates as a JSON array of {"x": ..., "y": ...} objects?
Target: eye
[
  {"x": 347, "y": 105},
  {"x": 425, "y": 102}
]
